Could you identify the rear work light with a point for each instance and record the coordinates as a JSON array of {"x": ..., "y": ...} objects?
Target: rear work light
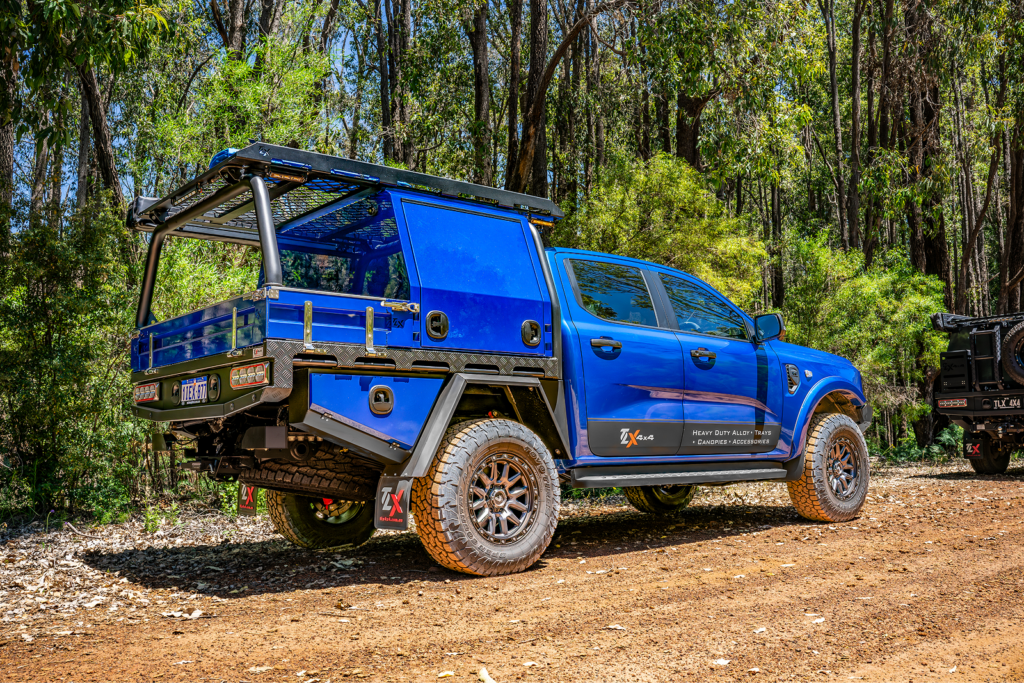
[
  {"x": 250, "y": 375},
  {"x": 952, "y": 402},
  {"x": 147, "y": 392}
]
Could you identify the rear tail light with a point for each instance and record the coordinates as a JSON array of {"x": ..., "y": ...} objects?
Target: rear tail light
[
  {"x": 250, "y": 375},
  {"x": 147, "y": 392}
]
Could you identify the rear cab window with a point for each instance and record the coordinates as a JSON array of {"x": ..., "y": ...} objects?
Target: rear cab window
[
  {"x": 699, "y": 310},
  {"x": 612, "y": 291}
]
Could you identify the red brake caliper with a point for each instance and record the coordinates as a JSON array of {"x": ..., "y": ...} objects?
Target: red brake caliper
[{"x": 327, "y": 502}]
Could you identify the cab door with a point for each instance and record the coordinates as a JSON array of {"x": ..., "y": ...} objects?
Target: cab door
[
  {"x": 732, "y": 398},
  {"x": 631, "y": 367}
]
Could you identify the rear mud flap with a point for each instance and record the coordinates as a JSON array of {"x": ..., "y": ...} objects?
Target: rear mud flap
[{"x": 393, "y": 502}]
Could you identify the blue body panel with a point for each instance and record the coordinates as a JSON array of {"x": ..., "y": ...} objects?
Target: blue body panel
[
  {"x": 346, "y": 398},
  {"x": 479, "y": 267},
  {"x": 746, "y": 383}
]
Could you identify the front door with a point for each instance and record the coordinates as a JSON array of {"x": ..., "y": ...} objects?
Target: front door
[
  {"x": 632, "y": 371},
  {"x": 732, "y": 401}
]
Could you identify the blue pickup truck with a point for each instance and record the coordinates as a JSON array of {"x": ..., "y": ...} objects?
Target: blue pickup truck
[{"x": 412, "y": 348}]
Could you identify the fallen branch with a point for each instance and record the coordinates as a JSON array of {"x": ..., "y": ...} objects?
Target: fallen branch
[{"x": 76, "y": 531}]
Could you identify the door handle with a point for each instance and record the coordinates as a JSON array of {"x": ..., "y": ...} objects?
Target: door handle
[
  {"x": 701, "y": 352},
  {"x": 597, "y": 343}
]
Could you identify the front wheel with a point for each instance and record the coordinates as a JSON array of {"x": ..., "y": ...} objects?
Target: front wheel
[
  {"x": 660, "y": 500},
  {"x": 317, "y": 523},
  {"x": 489, "y": 503},
  {"x": 834, "y": 482}
]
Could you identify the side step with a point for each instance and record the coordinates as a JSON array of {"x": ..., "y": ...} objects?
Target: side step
[{"x": 664, "y": 475}]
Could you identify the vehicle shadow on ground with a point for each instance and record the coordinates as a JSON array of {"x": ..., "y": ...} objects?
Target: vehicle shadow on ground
[{"x": 237, "y": 570}]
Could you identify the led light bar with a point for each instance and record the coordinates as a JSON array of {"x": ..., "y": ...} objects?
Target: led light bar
[
  {"x": 250, "y": 375},
  {"x": 147, "y": 392}
]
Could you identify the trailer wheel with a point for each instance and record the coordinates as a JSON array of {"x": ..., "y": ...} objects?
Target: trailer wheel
[
  {"x": 317, "y": 523},
  {"x": 1013, "y": 353},
  {"x": 834, "y": 483},
  {"x": 660, "y": 500},
  {"x": 489, "y": 503}
]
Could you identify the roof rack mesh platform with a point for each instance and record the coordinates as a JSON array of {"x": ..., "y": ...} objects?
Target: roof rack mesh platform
[{"x": 309, "y": 193}]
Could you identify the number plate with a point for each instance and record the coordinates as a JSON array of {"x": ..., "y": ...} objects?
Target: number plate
[
  {"x": 1006, "y": 403},
  {"x": 193, "y": 390}
]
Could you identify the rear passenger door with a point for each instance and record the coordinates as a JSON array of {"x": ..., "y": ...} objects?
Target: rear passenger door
[
  {"x": 732, "y": 402},
  {"x": 632, "y": 371}
]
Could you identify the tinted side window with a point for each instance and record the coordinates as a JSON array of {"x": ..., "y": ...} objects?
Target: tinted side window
[
  {"x": 614, "y": 292},
  {"x": 699, "y": 310}
]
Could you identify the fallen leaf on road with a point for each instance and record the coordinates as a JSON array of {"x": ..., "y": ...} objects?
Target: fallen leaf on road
[
  {"x": 184, "y": 661},
  {"x": 27, "y": 637},
  {"x": 953, "y": 670},
  {"x": 760, "y": 630},
  {"x": 259, "y": 669},
  {"x": 446, "y": 674},
  {"x": 484, "y": 676},
  {"x": 616, "y": 627},
  {"x": 755, "y": 670},
  {"x": 529, "y": 663},
  {"x": 721, "y": 662},
  {"x": 818, "y": 620}
]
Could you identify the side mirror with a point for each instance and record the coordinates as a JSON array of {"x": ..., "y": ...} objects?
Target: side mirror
[{"x": 768, "y": 327}]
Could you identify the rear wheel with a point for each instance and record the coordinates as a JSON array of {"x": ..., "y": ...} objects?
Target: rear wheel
[
  {"x": 993, "y": 461},
  {"x": 489, "y": 503},
  {"x": 316, "y": 523},
  {"x": 660, "y": 500},
  {"x": 834, "y": 482}
]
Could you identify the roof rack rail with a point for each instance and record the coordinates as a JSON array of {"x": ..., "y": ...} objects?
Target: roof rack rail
[{"x": 300, "y": 182}]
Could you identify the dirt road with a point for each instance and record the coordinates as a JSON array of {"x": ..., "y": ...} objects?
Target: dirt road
[{"x": 925, "y": 585}]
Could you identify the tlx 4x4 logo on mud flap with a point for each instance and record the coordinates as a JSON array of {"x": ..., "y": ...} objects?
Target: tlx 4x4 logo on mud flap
[
  {"x": 633, "y": 438},
  {"x": 393, "y": 498}
]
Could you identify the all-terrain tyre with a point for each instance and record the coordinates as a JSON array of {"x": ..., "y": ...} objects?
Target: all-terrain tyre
[
  {"x": 660, "y": 500},
  {"x": 993, "y": 461},
  {"x": 1012, "y": 352},
  {"x": 317, "y": 523},
  {"x": 835, "y": 478},
  {"x": 489, "y": 503}
]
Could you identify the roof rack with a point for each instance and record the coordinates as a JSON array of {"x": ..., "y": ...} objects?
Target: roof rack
[{"x": 300, "y": 183}]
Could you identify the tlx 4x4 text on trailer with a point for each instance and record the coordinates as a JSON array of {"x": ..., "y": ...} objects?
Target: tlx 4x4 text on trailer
[{"x": 413, "y": 348}]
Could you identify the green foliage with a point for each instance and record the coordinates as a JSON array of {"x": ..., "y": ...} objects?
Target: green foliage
[
  {"x": 662, "y": 211},
  {"x": 151, "y": 519},
  {"x": 878, "y": 318},
  {"x": 948, "y": 444},
  {"x": 273, "y": 97},
  {"x": 195, "y": 273},
  {"x": 66, "y": 434}
]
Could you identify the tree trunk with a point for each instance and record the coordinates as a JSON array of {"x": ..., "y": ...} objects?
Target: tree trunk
[
  {"x": 828, "y": 15},
  {"x": 8, "y": 93},
  {"x": 481, "y": 134},
  {"x": 84, "y": 147},
  {"x": 515, "y": 10},
  {"x": 688, "y": 112},
  {"x": 1010, "y": 296},
  {"x": 538, "y": 179},
  {"x": 853, "y": 208},
  {"x": 236, "y": 28},
  {"x": 104, "y": 144},
  {"x": 775, "y": 251},
  {"x": 42, "y": 162},
  {"x": 387, "y": 129}
]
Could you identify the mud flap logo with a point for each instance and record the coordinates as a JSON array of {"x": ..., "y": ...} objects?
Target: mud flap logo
[
  {"x": 972, "y": 450},
  {"x": 247, "y": 496},
  {"x": 392, "y": 509}
]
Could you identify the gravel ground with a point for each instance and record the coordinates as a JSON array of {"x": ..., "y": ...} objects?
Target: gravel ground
[{"x": 925, "y": 585}]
